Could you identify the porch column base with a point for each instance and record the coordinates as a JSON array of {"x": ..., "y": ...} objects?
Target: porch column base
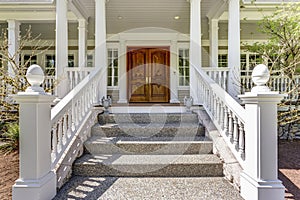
[
  {"x": 44, "y": 188},
  {"x": 261, "y": 190},
  {"x": 122, "y": 101}
]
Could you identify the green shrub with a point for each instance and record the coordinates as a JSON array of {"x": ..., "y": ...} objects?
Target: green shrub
[{"x": 10, "y": 137}]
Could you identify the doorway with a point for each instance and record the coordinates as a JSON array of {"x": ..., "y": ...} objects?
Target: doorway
[{"x": 148, "y": 72}]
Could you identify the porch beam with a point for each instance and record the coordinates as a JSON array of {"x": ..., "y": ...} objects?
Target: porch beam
[
  {"x": 234, "y": 48},
  {"x": 78, "y": 9},
  {"x": 13, "y": 43},
  {"x": 195, "y": 46},
  {"x": 61, "y": 47},
  {"x": 214, "y": 42},
  {"x": 100, "y": 44}
]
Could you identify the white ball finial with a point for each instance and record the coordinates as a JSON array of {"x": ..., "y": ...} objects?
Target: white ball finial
[
  {"x": 260, "y": 76},
  {"x": 35, "y": 77}
]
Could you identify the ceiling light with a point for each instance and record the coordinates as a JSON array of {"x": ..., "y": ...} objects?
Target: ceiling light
[
  {"x": 120, "y": 17},
  {"x": 177, "y": 17}
]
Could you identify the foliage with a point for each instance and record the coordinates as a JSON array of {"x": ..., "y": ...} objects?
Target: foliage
[
  {"x": 282, "y": 50},
  {"x": 10, "y": 137},
  {"x": 12, "y": 72}
]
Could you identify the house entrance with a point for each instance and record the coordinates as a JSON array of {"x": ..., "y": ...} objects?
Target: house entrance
[{"x": 148, "y": 74}]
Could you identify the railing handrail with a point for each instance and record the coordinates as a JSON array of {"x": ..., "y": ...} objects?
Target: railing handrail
[
  {"x": 58, "y": 108},
  {"x": 221, "y": 93}
]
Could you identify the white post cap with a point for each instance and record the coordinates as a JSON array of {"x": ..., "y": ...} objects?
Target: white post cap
[
  {"x": 35, "y": 77},
  {"x": 260, "y": 76}
]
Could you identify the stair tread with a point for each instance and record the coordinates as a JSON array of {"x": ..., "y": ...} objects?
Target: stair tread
[
  {"x": 148, "y": 188},
  {"x": 147, "y": 125},
  {"x": 119, "y": 159},
  {"x": 147, "y": 140}
]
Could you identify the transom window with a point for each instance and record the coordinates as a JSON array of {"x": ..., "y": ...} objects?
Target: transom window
[
  {"x": 113, "y": 67},
  {"x": 183, "y": 67}
]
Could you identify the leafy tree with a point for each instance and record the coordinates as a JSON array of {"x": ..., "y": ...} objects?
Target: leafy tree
[{"x": 282, "y": 50}]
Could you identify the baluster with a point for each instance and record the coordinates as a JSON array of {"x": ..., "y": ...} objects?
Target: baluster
[
  {"x": 60, "y": 134},
  {"x": 70, "y": 124},
  {"x": 235, "y": 132},
  {"x": 230, "y": 128},
  {"x": 76, "y": 81},
  {"x": 218, "y": 111},
  {"x": 214, "y": 111},
  {"x": 225, "y": 81},
  {"x": 221, "y": 122},
  {"x": 241, "y": 140},
  {"x": 225, "y": 130},
  {"x": 54, "y": 142},
  {"x": 65, "y": 129}
]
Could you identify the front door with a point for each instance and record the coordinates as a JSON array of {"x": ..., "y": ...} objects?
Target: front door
[{"x": 148, "y": 74}]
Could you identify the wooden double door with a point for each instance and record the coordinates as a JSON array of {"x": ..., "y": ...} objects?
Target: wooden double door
[{"x": 148, "y": 72}]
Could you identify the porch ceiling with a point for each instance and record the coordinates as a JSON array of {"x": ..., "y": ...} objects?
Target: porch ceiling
[{"x": 123, "y": 15}]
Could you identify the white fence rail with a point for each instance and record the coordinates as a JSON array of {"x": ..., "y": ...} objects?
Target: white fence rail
[
  {"x": 219, "y": 75},
  {"x": 71, "y": 114},
  {"x": 227, "y": 115}
]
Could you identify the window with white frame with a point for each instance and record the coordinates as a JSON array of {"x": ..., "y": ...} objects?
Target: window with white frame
[
  {"x": 222, "y": 60},
  {"x": 50, "y": 65},
  {"x": 113, "y": 67},
  {"x": 90, "y": 60},
  {"x": 183, "y": 67},
  {"x": 71, "y": 61},
  {"x": 243, "y": 64}
]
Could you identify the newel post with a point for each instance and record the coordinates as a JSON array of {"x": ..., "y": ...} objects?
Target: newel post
[
  {"x": 36, "y": 180},
  {"x": 259, "y": 179}
]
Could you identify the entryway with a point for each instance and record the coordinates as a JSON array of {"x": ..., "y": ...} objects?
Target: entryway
[{"x": 148, "y": 72}]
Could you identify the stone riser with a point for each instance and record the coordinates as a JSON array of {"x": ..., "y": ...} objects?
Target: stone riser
[
  {"x": 138, "y": 118},
  {"x": 94, "y": 146},
  {"x": 114, "y": 130},
  {"x": 150, "y": 168}
]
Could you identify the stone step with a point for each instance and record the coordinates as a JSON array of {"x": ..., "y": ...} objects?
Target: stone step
[
  {"x": 148, "y": 118},
  {"x": 190, "y": 188},
  {"x": 208, "y": 165},
  {"x": 156, "y": 145},
  {"x": 149, "y": 130}
]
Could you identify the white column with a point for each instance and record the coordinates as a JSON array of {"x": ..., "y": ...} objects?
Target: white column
[
  {"x": 234, "y": 48},
  {"x": 36, "y": 179},
  {"x": 82, "y": 45},
  {"x": 13, "y": 43},
  {"x": 100, "y": 44},
  {"x": 122, "y": 73},
  {"x": 214, "y": 42},
  {"x": 195, "y": 46},
  {"x": 61, "y": 47},
  {"x": 174, "y": 73},
  {"x": 259, "y": 179}
]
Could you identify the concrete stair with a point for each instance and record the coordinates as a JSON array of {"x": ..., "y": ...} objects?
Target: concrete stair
[{"x": 149, "y": 145}]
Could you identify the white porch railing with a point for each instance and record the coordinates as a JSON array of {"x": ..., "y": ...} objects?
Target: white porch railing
[
  {"x": 276, "y": 83},
  {"x": 72, "y": 117},
  {"x": 219, "y": 75},
  {"x": 227, "y": 115},
  {"x": 74, "y": 75}
]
